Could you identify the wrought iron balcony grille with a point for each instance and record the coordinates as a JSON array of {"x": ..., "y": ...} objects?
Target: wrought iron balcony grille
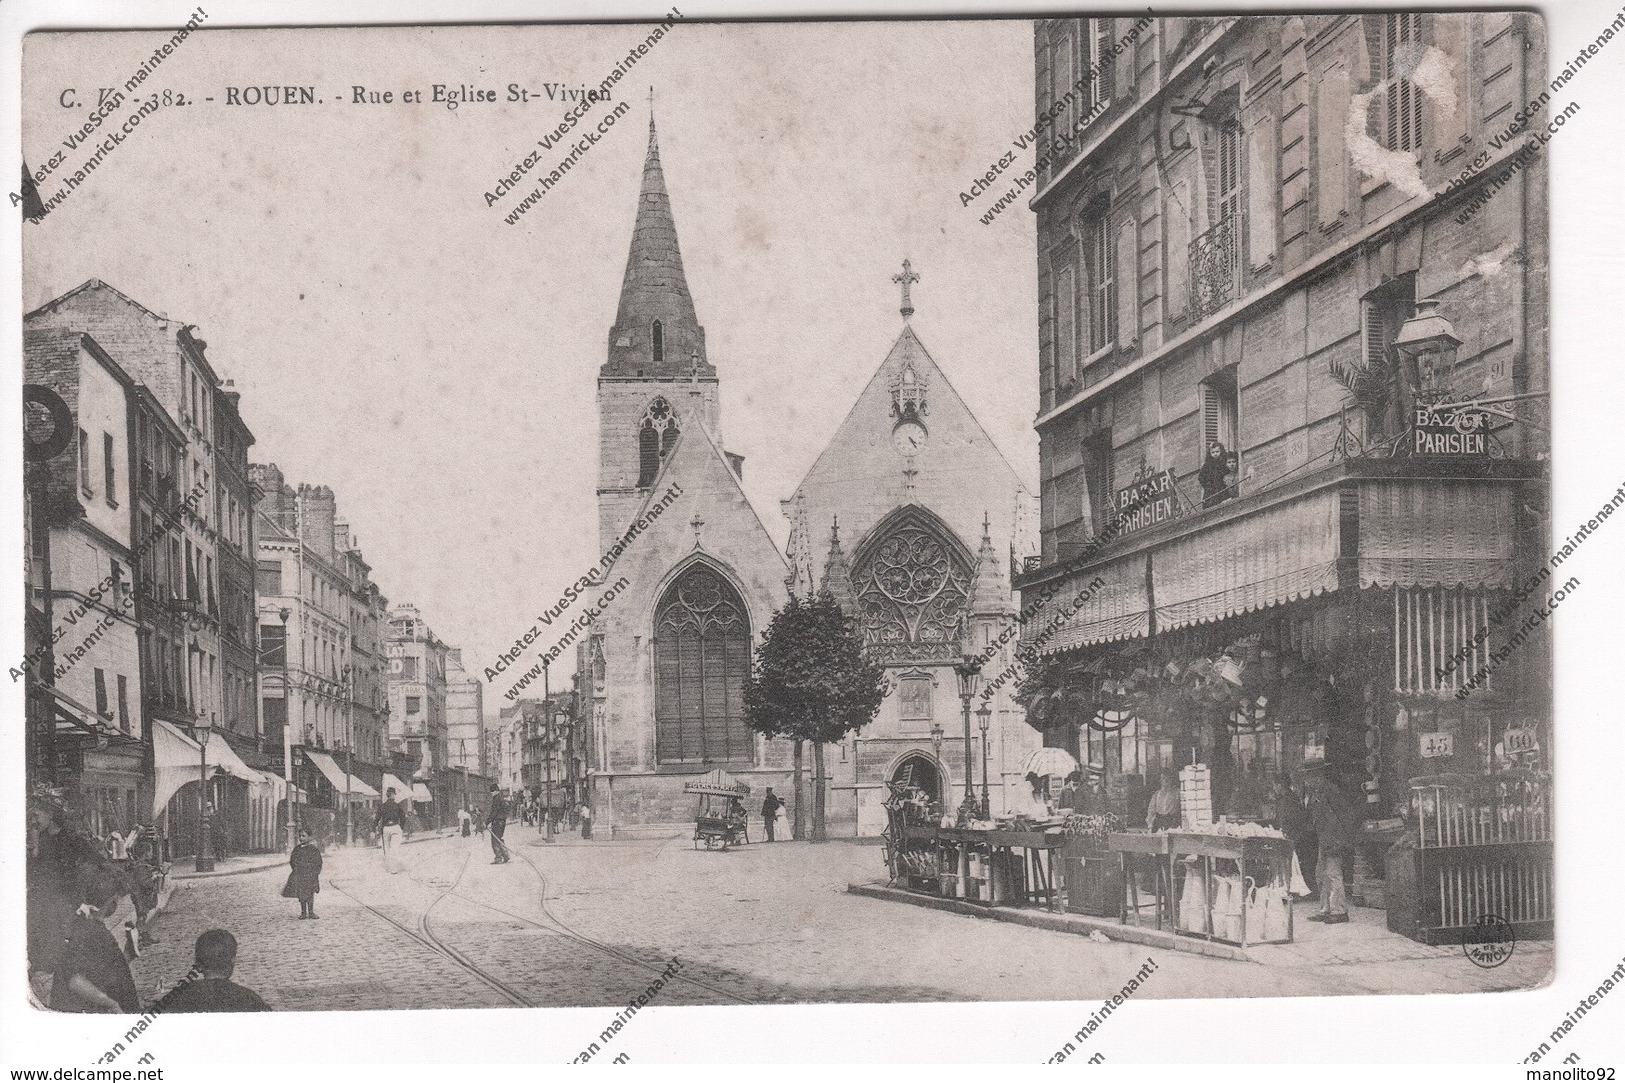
[{"x": 1216, "y": 267}]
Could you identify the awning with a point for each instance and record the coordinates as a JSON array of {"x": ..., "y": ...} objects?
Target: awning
[
  {"x": 176, "y": 762},
  {"x": 420, "y": 792},
  {"x": 1442, "y": 534},
  {"x": 336, "y": 777},
  {"x": 390, "y": 782},
  {"x": 1279, "y": 555},
  {"x": 1116, "y": 609},
  {"x": 276, "y": 784}
]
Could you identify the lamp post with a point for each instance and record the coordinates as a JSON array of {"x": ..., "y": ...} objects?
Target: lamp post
[
  {"x": 969, "y": 672},
  {"x": 936, "y": 754},
  {"x": 984, "y": 715},
  {"x": 200, "y": 732},
  {"x": 287, "y": 732}
]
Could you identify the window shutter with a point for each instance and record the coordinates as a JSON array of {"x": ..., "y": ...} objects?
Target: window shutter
[
  {"x": 1261, "y": 189},
  {"x": 1126, "y": 277},
  {"x": 1210, "y": 419},
  {"x": 1066, "y": 328},
  {"x": 1374, "y": 335},
  {"x": 1331, "y": 153},
  {"x": 1105, "y": 79}
]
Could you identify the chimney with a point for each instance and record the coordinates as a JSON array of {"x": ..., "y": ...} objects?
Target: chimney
[
  {"x": 318, "y": 512},
  {"x": 341, "y": 537},
  {"x": 274, "y": 493}
]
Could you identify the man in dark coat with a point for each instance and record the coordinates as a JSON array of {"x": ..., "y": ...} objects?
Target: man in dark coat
[
  {"x": 770, "y": 811},
  {"x": 498, "y": 821},
  {"x": 306, "y": 878},
  {"x": 209, "y": 988},
  {"x": 390, "y": 823},
  {"x": 1333, "y": 815}
]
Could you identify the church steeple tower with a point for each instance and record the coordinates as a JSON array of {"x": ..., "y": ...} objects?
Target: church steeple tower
[
  {"x": 655, "y": 384},
  {"x": 656, "y": 333}
]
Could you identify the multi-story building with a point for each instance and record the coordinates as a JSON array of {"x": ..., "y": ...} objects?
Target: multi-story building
[
  {"x": 417, "y": 690},
  {"x": 87, "y": 553},
  {"x": 1293, "y": 366},
  {"x": 319, "y": 620},
  {"x": 465, "y": 716},
  {"x": 165, "y": 355}
]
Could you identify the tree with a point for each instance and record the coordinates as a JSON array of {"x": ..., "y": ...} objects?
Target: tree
[{"x": 811, "y": 682}]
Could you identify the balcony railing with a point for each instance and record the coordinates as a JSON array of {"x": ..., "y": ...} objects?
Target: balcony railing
[{"x": 1215, "y": 268}]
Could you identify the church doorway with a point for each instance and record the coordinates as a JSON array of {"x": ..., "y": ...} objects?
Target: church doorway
[{"x": 918, "y": 770}]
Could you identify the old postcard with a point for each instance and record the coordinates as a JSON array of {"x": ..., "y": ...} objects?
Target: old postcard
[{"x": 671, "y": 513}]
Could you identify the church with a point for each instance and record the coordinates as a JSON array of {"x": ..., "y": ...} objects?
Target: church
[{"x": 910, "y": 516}]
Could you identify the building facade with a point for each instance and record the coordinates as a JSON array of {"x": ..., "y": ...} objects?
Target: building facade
[
  {"x": 465, "y": 716},
  {"x": 1292, "y": 396},
  {"x": 417, "y": 690},
  {"x": 88, "y": 562},
  {"x": 911, "y": 517}
]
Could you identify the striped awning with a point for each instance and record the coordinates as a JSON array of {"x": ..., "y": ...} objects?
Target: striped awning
[
  {"x": 357, "y": 789},
  {"x": 1441, "y": 534},
  {"x": 1280, "y": 554},
  {"x": 420, "y": 792},
  {"x": 1082, "y": 613}
]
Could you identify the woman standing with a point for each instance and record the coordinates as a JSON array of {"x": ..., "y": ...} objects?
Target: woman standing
[
  {"x": 305, "y": 879},
  {"x": 1162, "y": 814}
]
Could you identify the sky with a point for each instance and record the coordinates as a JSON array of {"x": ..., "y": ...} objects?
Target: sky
[{"x": 395, "y": 339}]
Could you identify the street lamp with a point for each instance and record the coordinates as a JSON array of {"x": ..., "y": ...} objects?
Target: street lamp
[
  {"x": 936, "y": 754},
  {"x": 200, "y": 732},
  {"x": 1428, "y": 343},
  {"x": 984, "y": 715},
  {"x": 969, "y": 672}
]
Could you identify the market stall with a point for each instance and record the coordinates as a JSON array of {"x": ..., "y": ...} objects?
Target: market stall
[{"x": 720, "y": 820}]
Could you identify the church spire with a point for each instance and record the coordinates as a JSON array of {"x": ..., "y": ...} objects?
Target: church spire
[
  {"x": 837, "y": 573},
  {"x": 989, "y": 592},
  {"x": 656, "y": 333}
]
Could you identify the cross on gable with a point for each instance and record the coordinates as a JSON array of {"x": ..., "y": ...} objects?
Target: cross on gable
[
  {"x": 696, "y": 523},
  {"x": 906, "y": 279}
]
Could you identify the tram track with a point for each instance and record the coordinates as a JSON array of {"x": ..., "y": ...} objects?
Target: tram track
[{"x": 425, "y": 934}]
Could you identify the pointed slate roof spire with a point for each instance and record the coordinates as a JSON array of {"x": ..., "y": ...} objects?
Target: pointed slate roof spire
[
  {"x": 837, "y": 574},
  {"x": 654, "y": 291},
  {"x": 989, "y": 592}
]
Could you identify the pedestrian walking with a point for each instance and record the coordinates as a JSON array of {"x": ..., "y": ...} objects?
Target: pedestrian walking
[
  {"x": 389, "y": 823},
  {"x": 1333, "y": 816},
  {"x": 770, "y": 812},
  {"x": 306, "y": 878},
  {"x": 499, "y": 824},
  {"x": 92, "y": 973},
  {"x": 209, "y": 988},
  {"x": 586, "y": 820},
  {"x": 463, "y": 822},
  {"x": 219, "y": 833}
]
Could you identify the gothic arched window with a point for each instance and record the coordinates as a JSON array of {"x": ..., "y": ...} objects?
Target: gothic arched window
[
  {"x": 702, "y": 660},
  {"x": 656, "y": 435},
  {"x": 658, "y": 337},
  {"x": 912, "y": 587}
]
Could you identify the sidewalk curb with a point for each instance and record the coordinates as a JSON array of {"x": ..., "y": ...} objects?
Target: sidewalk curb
[{"x": 1076, "y": 924}]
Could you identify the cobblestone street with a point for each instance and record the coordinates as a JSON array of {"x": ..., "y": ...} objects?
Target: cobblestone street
[{"x": 764, "y": 924}]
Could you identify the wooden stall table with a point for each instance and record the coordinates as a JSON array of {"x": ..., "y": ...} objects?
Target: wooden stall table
[
  {"x": 1276, "y": 852},
  {"x": 1130, "y": 844},
  {"x": 1009, "y": 879}
]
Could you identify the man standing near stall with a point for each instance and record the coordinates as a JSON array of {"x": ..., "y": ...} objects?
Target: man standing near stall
[
  {"x": 1333, "y": 816},
  {"x": 770, "y": 811}
]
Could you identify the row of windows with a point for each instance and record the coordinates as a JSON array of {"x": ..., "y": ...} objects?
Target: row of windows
[
  {"x": 1101, "y": 251},
  {"x": 1221, "y": 468},
  {"x": 109, "y": 468}
]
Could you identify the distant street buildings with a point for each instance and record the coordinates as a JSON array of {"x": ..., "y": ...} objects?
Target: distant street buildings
[{"x": 195, "y": 620}]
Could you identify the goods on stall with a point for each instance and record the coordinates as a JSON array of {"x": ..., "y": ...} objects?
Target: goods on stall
[
  {"x": 1193, "y": 905},
  {"x": 1195, "y": 795},
  {"x": 1093, "y": 875}
]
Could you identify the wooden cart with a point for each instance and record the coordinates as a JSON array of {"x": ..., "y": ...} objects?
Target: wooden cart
[{"x": 721, "y": 820}]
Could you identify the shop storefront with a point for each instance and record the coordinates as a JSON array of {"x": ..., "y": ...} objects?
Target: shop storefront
[{"x": 1339, "y": 621}]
